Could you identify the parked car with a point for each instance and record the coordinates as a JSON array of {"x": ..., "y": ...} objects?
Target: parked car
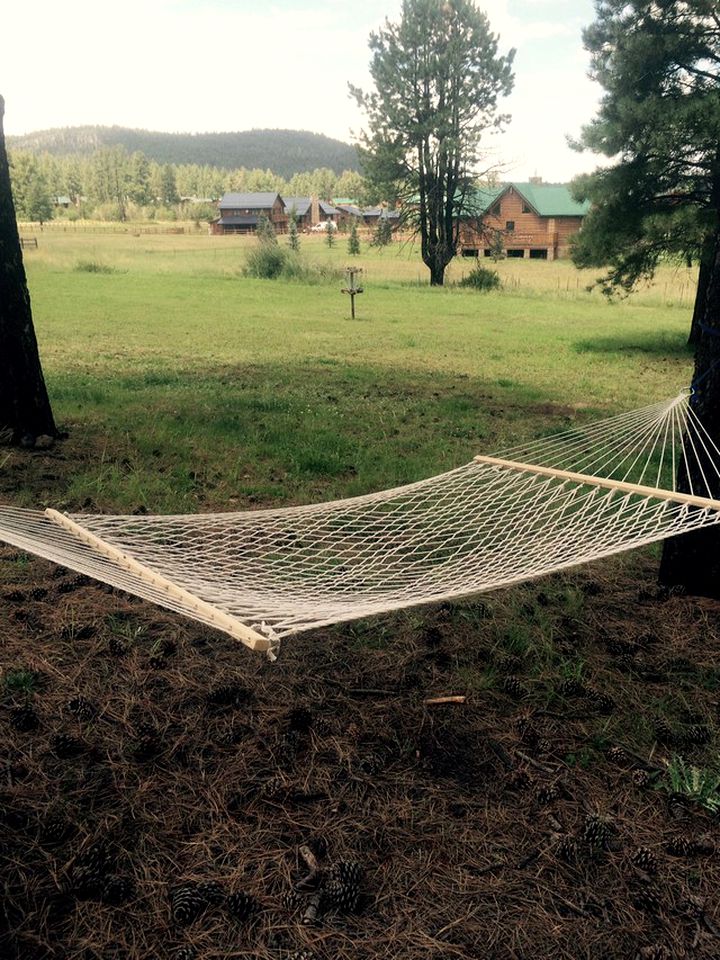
[{"x": 323, "y": 225}]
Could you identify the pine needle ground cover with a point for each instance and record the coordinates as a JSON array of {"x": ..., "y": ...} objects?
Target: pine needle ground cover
[{"x": 165, "y": 794}]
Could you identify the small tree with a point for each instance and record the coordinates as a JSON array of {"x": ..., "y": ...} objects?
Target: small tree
[
  {"x": 383, "y": 233},
  {"x": 497, "y": 246},
  {"x": 329, "y": 233},
  {"x": 354, "y": 239},
  {"x": 265, "y": 231},
  {"x": 293, "y": 237}
]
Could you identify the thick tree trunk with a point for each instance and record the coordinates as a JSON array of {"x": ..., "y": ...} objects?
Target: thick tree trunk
[
  {"x": 693, "y": 560},
  {"x": 704, "y": 274},
  {"x": 24, "y": 406}
]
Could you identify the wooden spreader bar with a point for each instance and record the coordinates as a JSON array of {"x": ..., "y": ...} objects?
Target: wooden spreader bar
[
  {"x": 621, "y": 485},
  {"x": 215, "y": 617}
]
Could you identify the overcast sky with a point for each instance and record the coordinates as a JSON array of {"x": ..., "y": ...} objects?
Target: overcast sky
[{"x": 217, "y": 65}]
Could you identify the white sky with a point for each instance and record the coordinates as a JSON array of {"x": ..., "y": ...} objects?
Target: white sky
[{"x": 217, "y": 65}]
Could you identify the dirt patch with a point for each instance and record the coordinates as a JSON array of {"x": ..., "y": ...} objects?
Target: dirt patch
[{"x": 161, "y": 787}]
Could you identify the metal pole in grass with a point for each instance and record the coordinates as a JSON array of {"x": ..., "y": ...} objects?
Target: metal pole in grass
[{"x": 351, "y": 288}]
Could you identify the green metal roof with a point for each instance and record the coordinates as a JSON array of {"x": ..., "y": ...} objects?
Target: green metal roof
[{"x": 547, "y": 199}]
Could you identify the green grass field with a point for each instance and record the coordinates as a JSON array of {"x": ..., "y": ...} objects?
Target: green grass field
[{"x": 187, "y": 386}]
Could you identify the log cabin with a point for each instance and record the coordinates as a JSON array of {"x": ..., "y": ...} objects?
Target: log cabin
[
  {"x": 239, "y": 212},
  {"x": 534, "y": 220},
  {"x": 310, "y": 211}
]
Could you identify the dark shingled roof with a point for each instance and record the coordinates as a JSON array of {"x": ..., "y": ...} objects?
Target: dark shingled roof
[
  {"x": 248, "y": 201},
  {"x": 302, "y": 205},
  {"x": 244, "y": 221}
]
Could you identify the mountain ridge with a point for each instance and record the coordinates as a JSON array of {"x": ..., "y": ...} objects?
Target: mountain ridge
[{"x": 284, "y": 151}]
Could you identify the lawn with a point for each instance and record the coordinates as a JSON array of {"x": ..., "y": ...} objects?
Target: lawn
[
  {"x": 167, "y": 794},
  {"x": 248, "y": 391}
]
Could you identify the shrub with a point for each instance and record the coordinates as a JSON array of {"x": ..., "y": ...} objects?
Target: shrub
[
  {"x": 93, "y": 266},
  {"x": 480, "y": 278},
  {"x": 273, "y": 262}
]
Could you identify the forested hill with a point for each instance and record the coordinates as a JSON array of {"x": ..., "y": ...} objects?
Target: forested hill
[{"x": 286, "y": 152}]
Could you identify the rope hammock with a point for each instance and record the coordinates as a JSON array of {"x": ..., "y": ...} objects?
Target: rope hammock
[{"x": 261, "y": 575}]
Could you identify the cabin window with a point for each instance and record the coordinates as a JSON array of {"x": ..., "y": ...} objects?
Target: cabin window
[
  {"x": 509, "y": 225},
  {"x": 526, "y": 208},
  {"x": 539, "y": 254},
  {"x": 517, "y": 254},
  {"x": 495, "y": 210},
  {"x": 469, "y": 252}
]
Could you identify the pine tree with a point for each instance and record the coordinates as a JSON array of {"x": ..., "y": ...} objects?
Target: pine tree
[
  {"x": 383, "y": 232},
  {"x": 354, "y": 239},
  {"x": 658, "y": 64},
  {"x": 438, "y": 77},
  {"x": 293, "y": 236},
  {"x": 265, "y": 231},
  {"x": 329, "y": 233}
]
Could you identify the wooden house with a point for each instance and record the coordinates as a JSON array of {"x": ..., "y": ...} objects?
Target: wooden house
[
  {"x": 239, "y": 212},
  {"x": 310, "y": 211},
  {"x": 534, "y": 220}
]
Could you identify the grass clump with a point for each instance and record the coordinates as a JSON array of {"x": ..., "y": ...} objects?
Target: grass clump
[
  {"x": 269, "y": 261},
  {"x": 93, "y": 266},
  {"x": 480, "y": 278},
  {"x": 695, "y": 783}
]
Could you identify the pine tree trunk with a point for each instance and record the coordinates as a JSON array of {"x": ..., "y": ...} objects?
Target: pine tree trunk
[
  {"x": 706, "y": 265},
  {"x": 693, "y": 559},
  {"x": 24, "y": 405}
]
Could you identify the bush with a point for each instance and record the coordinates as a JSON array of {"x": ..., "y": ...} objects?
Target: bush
[
  {"x": 480, "y": 278},
  {"x": 93, "y": 266},
  {"x": 270, "y": 262}
]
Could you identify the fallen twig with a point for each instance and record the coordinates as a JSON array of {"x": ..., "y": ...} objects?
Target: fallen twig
[{"x": 432, "y": 701}]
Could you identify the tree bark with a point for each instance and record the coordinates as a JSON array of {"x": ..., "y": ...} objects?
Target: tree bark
[
  {"x": 25, "y": 411},
  {"x": 692, "y": 560},
  {"x": 706, "y": 266}
]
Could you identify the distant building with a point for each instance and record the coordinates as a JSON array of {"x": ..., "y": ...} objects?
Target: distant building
[
  {"x": 310, "y": 211},
  {"x": 63, "y": 202},
  {"x": 240, "y": 212},
  {"x": 534, "y": 220},
  {"x": 371, "y": 216}
]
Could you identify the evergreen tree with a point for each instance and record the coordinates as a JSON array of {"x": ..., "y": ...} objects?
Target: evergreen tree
[
  {"x": 330, "y": 233},
  {"x": 25, "y": 411},
  {"x": 265, "y": 231},
  {"x": 293, "y": 238},
  {"x": 354, "y": 239},
  {"x": 438, "y": 77},
  {"x": 658, "y": 62},
  {"x": 383, "y": 232}
]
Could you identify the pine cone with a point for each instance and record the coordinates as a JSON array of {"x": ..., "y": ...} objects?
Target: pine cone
[
  {"x": 602, "y": 702},
  {"x": 647, "y": 899},
  {"x": 509, "y": 664},
  {"x": 596, "y": 832},
  {"x": 97, "y": 857},
  {"x": 54, "y": 830},
  {"x": 683, "y": 847},
  {"x": 567, "y": 849},
  {"x": 185, "y": 953},
  {"x": 186, "y": 904},
  {"x": 514, "y": 688},
  {"x": 519, "y": 781},
  {"x": 211, "y": 892},
  {"x": 290, "y": 900},
  {"x": 693, "y": 907},
  {"x": 617, "y": 755},
  {"x": 87, "y": 883},
  {"x": 82, "y": 708},
  {"x": 116, "y": 647},
  {"x": 227, "y": 695},
  {"x": 241, "y": 906},
  {"x": 347, "y": 871},
  {"x": 698, "y": 734},
  {"x": 117, "y": 890},
  {"x": 641, "y": 778},
  {"x": 571, "y": 687},
  {"x": 655, "y": 951},
  {"x": 547, "y": 793},
  {"x": 302, "y": 955},
  {"x": 664, "y": 733},
  {"x": 65, "y": 746},
  {"x": 341, "y": 896},
  {"x": 645, "y": 859},
  {"x": 24, "y": 719}
]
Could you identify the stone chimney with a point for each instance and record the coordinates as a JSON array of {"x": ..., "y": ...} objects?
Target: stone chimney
[
  {"x": 314, "y": 211},
  {"x": 536, "y": 179}
]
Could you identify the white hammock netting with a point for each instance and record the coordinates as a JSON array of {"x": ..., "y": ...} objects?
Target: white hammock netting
[{"x": 261, "y": 575}]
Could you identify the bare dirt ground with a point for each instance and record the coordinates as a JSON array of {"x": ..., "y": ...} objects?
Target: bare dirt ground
[{"x": 165, "y": 793}]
